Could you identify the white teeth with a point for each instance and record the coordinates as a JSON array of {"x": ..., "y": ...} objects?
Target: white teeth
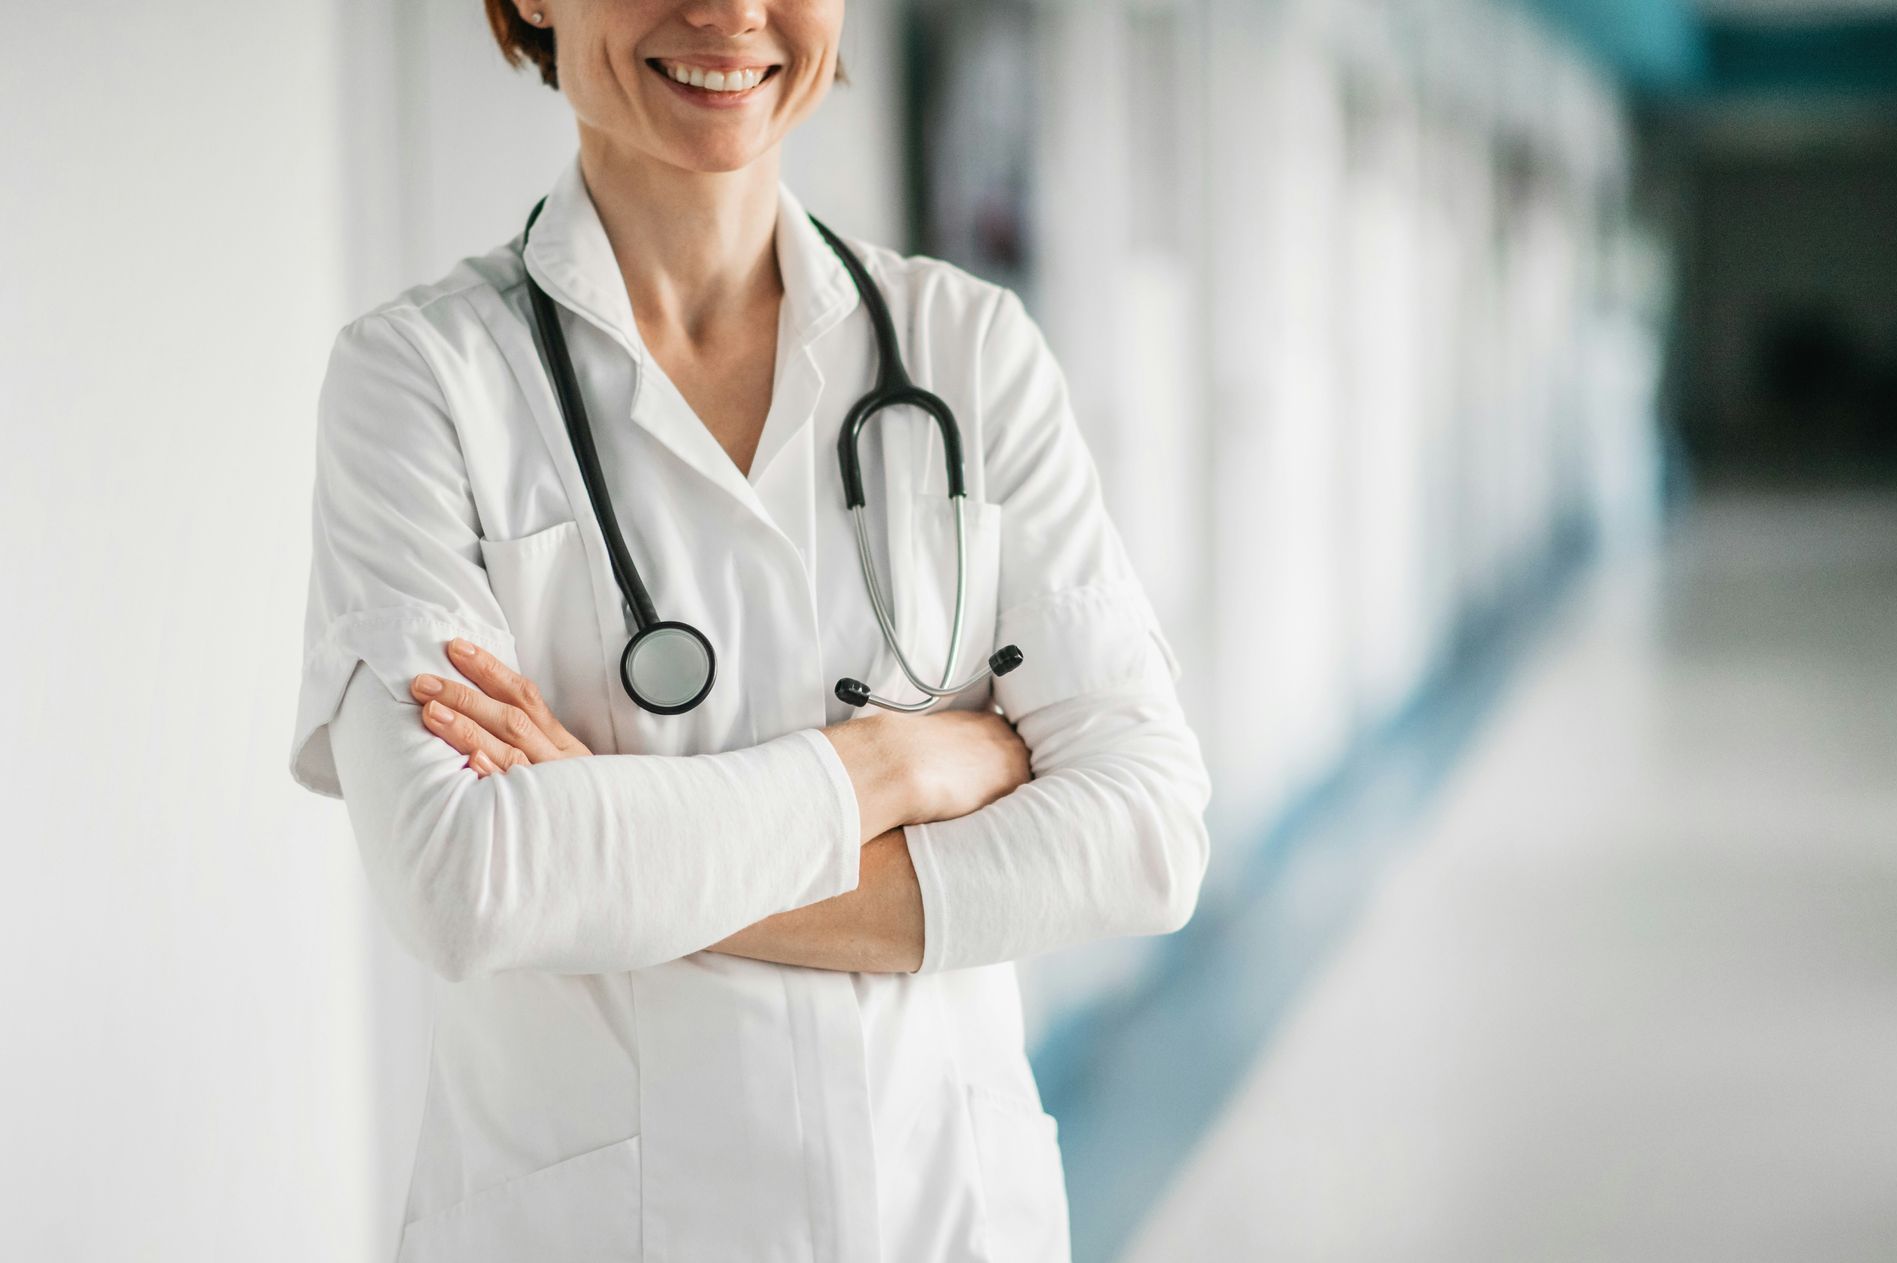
[{"x": 717, "y": 80}]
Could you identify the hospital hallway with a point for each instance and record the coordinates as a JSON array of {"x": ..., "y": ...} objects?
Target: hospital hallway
[{"x": 1624, "y": 984}]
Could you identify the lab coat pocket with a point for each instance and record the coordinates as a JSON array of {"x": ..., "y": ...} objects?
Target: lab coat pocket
[
  {"x": 925, "y": 592},
  {"x": 1023, "y": 1182},
  {"x": 586, "y": 1208},
  {"x": 542, "y": 585}
]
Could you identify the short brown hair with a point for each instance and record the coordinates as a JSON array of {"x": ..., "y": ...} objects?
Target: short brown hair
[{"x": 521, "y": 41}]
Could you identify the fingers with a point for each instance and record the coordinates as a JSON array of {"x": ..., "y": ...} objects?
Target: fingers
[
  {"x": 470, "y": 738},
  {"x": 507, "y": 723},
  {"x": 501, "y": 682}
]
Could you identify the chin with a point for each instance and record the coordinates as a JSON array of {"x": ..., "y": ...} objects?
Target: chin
[{"x": 715, "y": 160}]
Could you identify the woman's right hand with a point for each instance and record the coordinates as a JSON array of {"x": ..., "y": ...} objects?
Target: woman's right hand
[
  {"x": 960, "y": 761},
  {"x": 917, "y": 769}
]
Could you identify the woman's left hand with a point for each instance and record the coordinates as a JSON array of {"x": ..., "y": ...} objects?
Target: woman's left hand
[{"x": 502, "y": 723}]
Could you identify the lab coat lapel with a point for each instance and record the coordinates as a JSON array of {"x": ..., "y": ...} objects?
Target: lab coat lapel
[
  {"x": 793, "y": 451},
  {"x": 818, "y": 294}
]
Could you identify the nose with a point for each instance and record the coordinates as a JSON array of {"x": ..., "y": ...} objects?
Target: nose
[{"x": 726, "y": 17}]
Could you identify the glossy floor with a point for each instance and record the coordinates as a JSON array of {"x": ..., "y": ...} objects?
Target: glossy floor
[{"x": 1630, "y": 991}]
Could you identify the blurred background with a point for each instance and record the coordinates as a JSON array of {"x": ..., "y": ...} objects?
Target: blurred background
[{"x": 1498, "y": 396}]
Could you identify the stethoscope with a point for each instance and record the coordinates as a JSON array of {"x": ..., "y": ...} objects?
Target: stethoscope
[{"x": 668, "y": 666}]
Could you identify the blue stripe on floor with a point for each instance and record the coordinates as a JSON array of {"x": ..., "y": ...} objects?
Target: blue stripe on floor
[{"x": 1137, "y": 1081}]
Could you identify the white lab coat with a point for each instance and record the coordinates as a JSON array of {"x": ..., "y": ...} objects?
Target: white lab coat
[{"x": 600, "y": 1088}]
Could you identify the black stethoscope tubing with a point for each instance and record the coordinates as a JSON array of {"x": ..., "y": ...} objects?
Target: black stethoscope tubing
[
  {"x": 892, "y": 387},
  {"x": 580, "y": 432}
]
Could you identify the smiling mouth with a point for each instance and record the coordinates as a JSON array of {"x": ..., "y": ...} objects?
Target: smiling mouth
[{"x": 716, "y": 83}]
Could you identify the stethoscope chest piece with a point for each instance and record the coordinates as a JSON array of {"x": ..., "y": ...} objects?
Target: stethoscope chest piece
[{"x": 668, "y": 667}]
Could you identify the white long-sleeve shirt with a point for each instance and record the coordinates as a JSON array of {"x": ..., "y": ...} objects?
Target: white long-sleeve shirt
[{"x": 583, "y": 1041}]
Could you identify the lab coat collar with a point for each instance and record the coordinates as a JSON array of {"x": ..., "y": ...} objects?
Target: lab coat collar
[{"x": 571, "y": 257}]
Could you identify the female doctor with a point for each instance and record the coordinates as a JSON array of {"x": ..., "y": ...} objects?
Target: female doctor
[{"x": 727, "y": 977}]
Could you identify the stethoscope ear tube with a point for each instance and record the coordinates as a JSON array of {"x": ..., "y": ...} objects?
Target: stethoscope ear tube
[
  {"x": 857, "y": 693},
  {"x": 894, "y": 388},
  {"x": 854, "y": 692},
  {"x": 849, "y": 437}
]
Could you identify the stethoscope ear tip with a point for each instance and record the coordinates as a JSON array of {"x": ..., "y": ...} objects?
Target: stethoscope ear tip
[
  {"x": 852, "y": 692},
  {"x": 1004, "y": 659}
]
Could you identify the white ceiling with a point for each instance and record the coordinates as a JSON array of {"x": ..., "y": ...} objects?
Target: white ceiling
[{"x": 1798, "y": 10}]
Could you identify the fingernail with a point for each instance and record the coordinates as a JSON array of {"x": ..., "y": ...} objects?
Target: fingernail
[
  {"x": 428, "y": 684},
  {"x": 461, "y": 649},
  {"x": 437, "y": 713}
]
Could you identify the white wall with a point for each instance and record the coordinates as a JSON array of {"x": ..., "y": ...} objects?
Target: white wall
[{"x": 186, "y": 1071}]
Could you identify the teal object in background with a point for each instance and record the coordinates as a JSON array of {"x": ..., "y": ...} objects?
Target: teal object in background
[
  {"x": 1664, "y": 49},
  {"x": 1651, "y": 44},
  {"x": 1848, "y": 57}
]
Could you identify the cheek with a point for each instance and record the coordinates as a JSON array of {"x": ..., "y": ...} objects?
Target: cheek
[
  {"x": 810, "y": 88},
  {"x": 601, "y": 91},
  {"x": 584, "y": 49}
]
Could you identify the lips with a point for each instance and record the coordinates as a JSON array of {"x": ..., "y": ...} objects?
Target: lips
[{"x": 723, "y": 79}]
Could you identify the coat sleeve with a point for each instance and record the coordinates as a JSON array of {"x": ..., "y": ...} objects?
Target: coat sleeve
[
  {"x": 586, "y": 865},
  {"x": 1109, "y": 836}
]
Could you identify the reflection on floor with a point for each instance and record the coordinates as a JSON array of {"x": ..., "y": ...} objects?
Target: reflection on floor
[
  {"x": 1136, "y": 1084},
  {"x": 1630, "y": 990}
]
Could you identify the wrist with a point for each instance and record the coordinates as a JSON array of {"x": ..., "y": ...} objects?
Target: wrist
[{"x": 875, "y": 752}]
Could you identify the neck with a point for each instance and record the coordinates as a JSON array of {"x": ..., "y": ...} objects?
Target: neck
[{"x": 697, "y": 250}]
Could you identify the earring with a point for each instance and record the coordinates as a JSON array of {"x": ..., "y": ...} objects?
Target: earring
[{"x": 536, "y": 18}]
